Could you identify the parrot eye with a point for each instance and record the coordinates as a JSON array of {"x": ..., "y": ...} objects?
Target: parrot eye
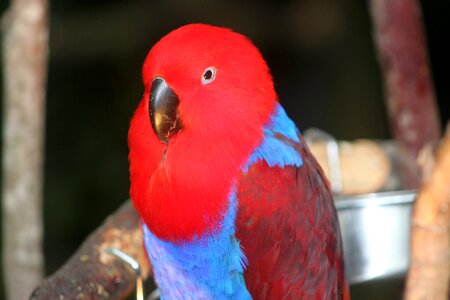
[{"x": 209, "y": 75}]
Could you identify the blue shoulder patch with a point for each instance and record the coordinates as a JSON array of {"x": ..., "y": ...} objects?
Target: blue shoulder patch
[
  {"x": 273, "y": 150},
  {"x": 210, "y": 267}
]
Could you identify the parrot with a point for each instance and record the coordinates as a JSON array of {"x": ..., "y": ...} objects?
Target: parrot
[{"x": 232, "y": 203}]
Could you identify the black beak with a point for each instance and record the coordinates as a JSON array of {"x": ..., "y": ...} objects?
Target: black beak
[{"x": 163, "y": 109}]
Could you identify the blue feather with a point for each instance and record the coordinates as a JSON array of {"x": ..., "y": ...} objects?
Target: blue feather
[
  {"x": 274, "y": 151},
  {"x": 212, "y": 267}
]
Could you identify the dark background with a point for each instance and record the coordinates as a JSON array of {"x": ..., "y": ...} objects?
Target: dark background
[{"x": 321, "y": 54}]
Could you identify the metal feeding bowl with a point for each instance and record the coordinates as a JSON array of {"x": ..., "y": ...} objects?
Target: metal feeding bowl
[
  {"x": 375, "y": 231},
  {"x": 375, "y": 226}
]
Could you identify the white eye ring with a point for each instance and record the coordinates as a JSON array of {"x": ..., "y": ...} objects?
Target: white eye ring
[{"x": 209, "y": 75}]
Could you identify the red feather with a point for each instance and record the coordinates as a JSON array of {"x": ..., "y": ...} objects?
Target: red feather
[
  {"x": 184, "y": 191},
  {"x": 289, "y": 231}
]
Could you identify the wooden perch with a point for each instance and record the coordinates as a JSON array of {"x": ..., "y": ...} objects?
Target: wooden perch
[
  {"x": 429, "y": 272},
  {"x": 93, "y": 273},
  {"x": 402, "y": 52}
]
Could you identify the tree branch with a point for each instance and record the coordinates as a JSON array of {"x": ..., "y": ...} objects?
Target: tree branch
[
  {"x": 429, "y": 272},
  {"x": 93, "y": 273},
  {"x": 25, "y": 50}
]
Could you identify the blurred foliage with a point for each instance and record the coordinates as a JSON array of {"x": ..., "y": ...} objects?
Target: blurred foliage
[{"x": 320, "y": 52}]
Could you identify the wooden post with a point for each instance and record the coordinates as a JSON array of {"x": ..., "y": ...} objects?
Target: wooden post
[
  {"x": 400, "y": 40},
  {"x": 25, "y": 49}
]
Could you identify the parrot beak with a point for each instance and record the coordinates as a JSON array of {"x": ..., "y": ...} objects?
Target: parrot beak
[{"x": 163, "y": 109}]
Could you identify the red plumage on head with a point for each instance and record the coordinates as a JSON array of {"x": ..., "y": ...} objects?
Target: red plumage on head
[{"x": 182, "y": 190}]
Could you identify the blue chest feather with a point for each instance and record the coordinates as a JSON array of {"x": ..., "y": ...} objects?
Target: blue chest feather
[{"x": 212, "y": 267}]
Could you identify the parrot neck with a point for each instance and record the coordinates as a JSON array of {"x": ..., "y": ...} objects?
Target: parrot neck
[{"x": 210, "y": 267}]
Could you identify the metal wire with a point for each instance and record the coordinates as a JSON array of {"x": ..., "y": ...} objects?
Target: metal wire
[{"x": 134, "y": 264}]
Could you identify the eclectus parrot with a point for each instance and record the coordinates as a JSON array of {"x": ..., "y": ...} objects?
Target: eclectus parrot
[{"x": 233, "y": 204}]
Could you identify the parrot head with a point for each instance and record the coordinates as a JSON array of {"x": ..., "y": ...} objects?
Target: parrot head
[{"x": 207, "y": 95}]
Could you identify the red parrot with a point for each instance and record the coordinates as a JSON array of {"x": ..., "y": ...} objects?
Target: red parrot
[{"x": 233, "y": 204}]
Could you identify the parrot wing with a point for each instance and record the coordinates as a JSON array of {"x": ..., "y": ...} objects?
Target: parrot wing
[{"x": 289, "y": 231}]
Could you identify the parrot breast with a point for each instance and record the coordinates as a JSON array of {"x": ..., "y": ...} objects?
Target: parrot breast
[
  {"x": 213, "y": 266},
  {"x": 210, "y": 267}
]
